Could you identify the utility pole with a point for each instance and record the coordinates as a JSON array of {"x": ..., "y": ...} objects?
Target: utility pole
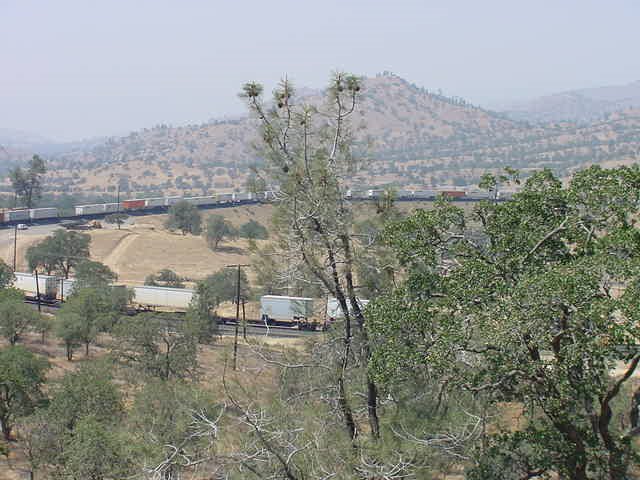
[
  {"x": 38, "y": 291},
  {"x": 244, "y": 320},
  {"x": 235, "y": 339},
  {"x": 118, "y": 204},
  {"x": 15, "y": 245}
]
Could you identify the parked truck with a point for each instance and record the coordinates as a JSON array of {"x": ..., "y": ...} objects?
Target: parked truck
[{"x": 290, "y": 310}]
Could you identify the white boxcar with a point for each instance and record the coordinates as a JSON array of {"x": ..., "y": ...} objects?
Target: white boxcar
[
  {"x": 90, "y": 209},
  {"x": 14, "y": 215},
  {"x": 425, "y": 194},
  {"x": 155, "y": 202},
  {"x": 275, "y": 307},
  {"x": 40, "y": 213},
  {"x": 243, "y": 196},
  {"x": 333, "y": 307},
  {"x": 112, "y": 207},
  {"x": 172, "y": 200},
  {"x": 224, "y": 197},
  {"x": 48, "y": 284},
  {"x": 179, "y": 298},
  {"x": 65, "y": 287},
  {"x": 210, "y": 200}
]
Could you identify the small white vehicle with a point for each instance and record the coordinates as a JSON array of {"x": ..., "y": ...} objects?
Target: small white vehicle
[{"x": 22, "y": 226}]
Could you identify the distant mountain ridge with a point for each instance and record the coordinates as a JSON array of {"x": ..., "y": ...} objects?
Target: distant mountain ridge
[
  {"x": 413, "y": 137},
  {"x": 582, "y": 105}
]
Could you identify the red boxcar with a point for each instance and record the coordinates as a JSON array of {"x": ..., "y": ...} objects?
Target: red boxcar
[
  {"x": 453, "y": 193},
  {"x": 133, "y": 204}
]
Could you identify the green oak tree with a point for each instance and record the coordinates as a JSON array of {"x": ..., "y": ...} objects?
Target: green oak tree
[
  {"x": 15, "y": 316},
  {"x": 61, "y": 251},
  {"x": 27, "y": 184},
  {"x": 157, "y": 345},
  {"x": 534, "y": 301},
  {"x": 185, "y": 217},
  {"x": 218, "y": 228},
  {"x": 22, "y": 376}
]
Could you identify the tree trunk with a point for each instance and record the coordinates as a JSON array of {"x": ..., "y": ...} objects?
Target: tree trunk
[
  {"x": 86, "y": 349},
  {"x": 69, "y": 352},
  {"x": 6, "y": 431}
]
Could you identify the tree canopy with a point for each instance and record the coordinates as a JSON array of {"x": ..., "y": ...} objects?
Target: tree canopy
[
  {"x": 253, "y": 230},
  {"x": 533, "y": 301},
  {"x": 61, "y": 251},
  {"x": 22, "y": 375},
  {"x": 185, "y": 217},
  {"x": 218, "y": 228},
  {"x": 27, "y": 184}
]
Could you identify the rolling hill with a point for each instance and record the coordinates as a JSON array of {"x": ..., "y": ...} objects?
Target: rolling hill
[
  {"x": 418, "y": 138},
  {"x": 583, "y": 105}
]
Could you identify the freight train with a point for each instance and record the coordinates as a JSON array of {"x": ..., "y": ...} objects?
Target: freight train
[
  {"x": 275, "y": 310},
  {"x": 161, "y": 204}
]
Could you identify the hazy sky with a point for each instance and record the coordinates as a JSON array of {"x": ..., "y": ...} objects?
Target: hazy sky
[{"x": 78, "y": 68}]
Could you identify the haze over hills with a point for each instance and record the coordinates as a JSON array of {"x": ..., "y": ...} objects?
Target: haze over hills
[
  {"x": 582, "y": 105},
  {"x": 415, "y": 137}
]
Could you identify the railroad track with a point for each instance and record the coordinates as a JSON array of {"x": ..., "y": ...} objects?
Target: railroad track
[{"x": 225, "y": 329}]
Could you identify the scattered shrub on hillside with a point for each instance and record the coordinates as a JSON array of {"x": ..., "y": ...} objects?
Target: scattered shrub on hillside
[{"x": 253, "y": 230}]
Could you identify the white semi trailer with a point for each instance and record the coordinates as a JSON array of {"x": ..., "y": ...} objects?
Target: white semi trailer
[
  {"x": 47, "y": 285},
  {"x": 178, "y": 298},
  {"x": 290, "y": 310},
  {"x": 335, "y": 312}
]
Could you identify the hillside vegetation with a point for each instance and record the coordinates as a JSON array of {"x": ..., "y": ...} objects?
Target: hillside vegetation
[{"x": 406, "y": 134}]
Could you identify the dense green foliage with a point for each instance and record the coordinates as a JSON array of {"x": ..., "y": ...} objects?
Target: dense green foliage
[
  {"x": 165, "y": 278},
  {"x": 21, "y": 380},
  {"x": 185, "y": 217},
  {"x": 59, "y": 252},
  {"x": 27, "y": 184},
  {"x": 533, "y": 301},
  {"x": 15, "y": 316},
  {"x": 253, "y": 230}
]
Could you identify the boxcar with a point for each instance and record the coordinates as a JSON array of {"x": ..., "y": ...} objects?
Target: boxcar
[
  {"x": 89, "y": 209},
  {"x": 48, "y": 285},
  {"x": 179, "y": 298},
  {"x": 42, "y": 213},
  {"x": 16, "y": 215}
]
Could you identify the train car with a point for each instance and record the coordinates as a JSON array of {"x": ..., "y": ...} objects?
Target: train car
[
  {"x": 377, "y": 193},
  {"x": 112, "y": 207},
  {"x": 66, "y": 287},
  {"x": 224, "y": 198},
  {"x": 163, "y": 297},
  {"x": 133, "y": 204},
  {"x": 292, "y": 310},
  {"x": 425, "y": 194},
  {"x": 43, "y": 213},
  {"x": 172, "y": 200},
  {"x": 16, "y": 215},
  {"x": 335, "y": 312},
  {"x": 405, "y": 194},
  {"x": 243, "y": 197},
  {"x": 453, "y": 193},
  {"x": 47, "y": 284},
  {"x": 89, "y": 209},
  {"x": 209, "y": 200},
  {"x": 155, "y": 202}
]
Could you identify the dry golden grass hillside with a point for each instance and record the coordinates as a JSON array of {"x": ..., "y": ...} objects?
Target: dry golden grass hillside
[{"x": 411, "y": 136}]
